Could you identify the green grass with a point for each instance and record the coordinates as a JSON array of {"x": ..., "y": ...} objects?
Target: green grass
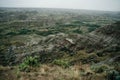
[
  {"x": 28, "y": 63},
  {"x": 61, "y": 63}
]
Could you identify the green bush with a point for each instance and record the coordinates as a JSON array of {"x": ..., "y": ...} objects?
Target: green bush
[
  {"x": 113, "y": 75},
  {"x": 22, "y": 17},
  {"x": 24, "y": 67},
  {"x": 99, "y": 68},
  {"x": 91, "y": 58},
  {"x": 10, "y": 56},
  {"x": 92, "y": 27},
  {"x": 116, "y": 66},
  {"x": 24, "y": 31},
  {"x": 45, "y": 33},
  {"x": 77, "y": 31},
  {"x": 11, "y": 33},
  {"x": 28, "y": 63},
  {"x": 61, "y": 63}
]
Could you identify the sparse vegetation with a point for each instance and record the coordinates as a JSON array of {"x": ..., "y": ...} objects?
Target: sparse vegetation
[
  {"x": 59, "y": 44},
  {"x": 61, "y": 63},
  {"x": 113, "y": 75},
  {"x": 99, "y": 68},
  {"x": 28, "y": 63}
]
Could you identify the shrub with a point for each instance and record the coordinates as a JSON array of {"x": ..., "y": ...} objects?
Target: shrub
[
  {"x": 22, "y": 17},
  {"x": 11, "y": 33},
  {"x": 117, "y": 66},
  {"x": 90, "y": 58},
  {"x": 61, "y": 63},
  {"x": 99, "y": 68},
  {"x": 92, "y": 27},
  {"x": 10, "y": 56},
  {"x": 24, "y": 67},
  {"x": 28, "y": 63},
  {"x": 44, "y": 33},
  {"x": 78, "y": 31},
  {"x": 24, "y": 31},
  {"x": 113, "y": 75}
]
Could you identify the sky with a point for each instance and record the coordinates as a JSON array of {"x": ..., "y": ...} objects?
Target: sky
[{"x": 106, "y": 5}]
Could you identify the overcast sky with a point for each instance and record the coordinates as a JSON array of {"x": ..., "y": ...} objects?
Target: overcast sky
[{"x": 107, "y": 5}]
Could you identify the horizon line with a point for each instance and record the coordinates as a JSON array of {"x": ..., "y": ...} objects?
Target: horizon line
[{"x": 59, "y": 8}]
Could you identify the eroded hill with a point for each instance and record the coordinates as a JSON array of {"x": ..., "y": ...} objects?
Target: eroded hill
[{"x": 59, "y": 44}]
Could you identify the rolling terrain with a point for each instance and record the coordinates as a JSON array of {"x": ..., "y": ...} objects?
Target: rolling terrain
[{"x": 59, "y": 44}]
